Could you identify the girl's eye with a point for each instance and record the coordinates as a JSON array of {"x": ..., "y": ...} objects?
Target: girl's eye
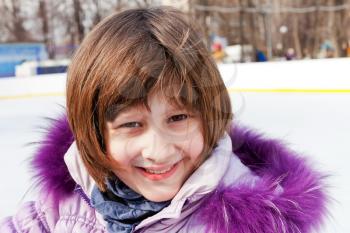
[
  {"x": 179, "y": 117},
  {"x": 131, "y": 125}
]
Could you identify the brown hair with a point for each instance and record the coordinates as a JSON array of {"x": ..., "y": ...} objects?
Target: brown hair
[{"x": 127, "y": 56}]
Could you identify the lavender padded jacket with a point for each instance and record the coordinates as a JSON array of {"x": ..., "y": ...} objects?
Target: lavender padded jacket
[{"x": 254, "y": 185}]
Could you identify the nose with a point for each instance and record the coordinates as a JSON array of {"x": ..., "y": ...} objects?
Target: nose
[{"x": 158, "y": 149}]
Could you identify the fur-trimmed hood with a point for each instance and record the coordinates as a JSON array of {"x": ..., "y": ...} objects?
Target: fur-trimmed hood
[{"x": 299, "y": 207}]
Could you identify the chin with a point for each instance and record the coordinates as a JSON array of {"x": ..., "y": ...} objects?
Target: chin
[{"x": 159, "y": 197}]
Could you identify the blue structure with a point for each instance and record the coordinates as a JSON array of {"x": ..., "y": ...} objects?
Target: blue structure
[{"x": 14, "y": 54}]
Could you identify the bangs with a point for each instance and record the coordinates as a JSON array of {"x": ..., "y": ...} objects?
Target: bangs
[
  {"x": 177, "y": 85},
  {"x": 158, "y": 73}
]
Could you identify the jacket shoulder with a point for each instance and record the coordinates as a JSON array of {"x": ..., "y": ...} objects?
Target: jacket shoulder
[
  {"x": 289, "y": 196},
  {"x": 76, "y": 215},
  {"x": 71, "y": 214},
  {"x": 29, "y": 219}
]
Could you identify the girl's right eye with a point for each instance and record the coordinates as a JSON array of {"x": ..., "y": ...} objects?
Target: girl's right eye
[{"x": 131, "y": 125}]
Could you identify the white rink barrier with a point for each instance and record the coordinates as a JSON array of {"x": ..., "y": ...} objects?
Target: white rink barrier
[
  {"x": 34, "y": 86},
  {"x": 324, "y": 75}
]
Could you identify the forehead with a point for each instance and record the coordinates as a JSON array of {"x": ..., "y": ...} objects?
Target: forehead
[{"x": 156, "y": 103}]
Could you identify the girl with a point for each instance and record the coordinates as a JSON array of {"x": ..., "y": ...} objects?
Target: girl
[{"x": 148, "y": 144}]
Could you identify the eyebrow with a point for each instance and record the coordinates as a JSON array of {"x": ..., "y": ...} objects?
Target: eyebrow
[
  {"x": 120, "y": 111},
  {"x": 127, "y": 112},
  {"x": 114, "y": 111}
]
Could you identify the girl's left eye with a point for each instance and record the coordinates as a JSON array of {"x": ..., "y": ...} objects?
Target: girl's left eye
[
  {"x": 131, "y": 125},
  {"x": 179, "y": 117}
]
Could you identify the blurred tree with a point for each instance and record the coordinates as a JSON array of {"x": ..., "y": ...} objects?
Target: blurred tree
[
  {"x": 342, "y": 29},
  {"x": 144, "y": 3},
  {"x": 98, "y": 16},
  {"x": 13, "y": 21},
  {"x": 45, "y": 28},
  {"x": 78, "y": 16},
  {"x": 203, "y": 17}
]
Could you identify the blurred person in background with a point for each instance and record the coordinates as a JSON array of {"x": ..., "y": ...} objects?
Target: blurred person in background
[
  {"x": 218, "y": 52},
  {"x": 290, "y": 54}
]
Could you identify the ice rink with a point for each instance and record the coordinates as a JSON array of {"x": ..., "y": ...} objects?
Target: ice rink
[{"x": 306, "y": 104}]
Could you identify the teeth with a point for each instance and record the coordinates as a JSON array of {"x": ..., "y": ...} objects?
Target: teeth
[{"x": 158, "y": 172}]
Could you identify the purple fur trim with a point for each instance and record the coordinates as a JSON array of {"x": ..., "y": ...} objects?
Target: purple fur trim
[
  {"x": 298, "y": 207},
  {"x": 50, "y": 170}
]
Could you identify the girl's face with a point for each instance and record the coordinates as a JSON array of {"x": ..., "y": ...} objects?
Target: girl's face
[{"x": 155, "y": 150}]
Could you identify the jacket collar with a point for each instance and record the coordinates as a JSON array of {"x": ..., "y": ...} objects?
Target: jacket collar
[{"x": 77, "y": 169}]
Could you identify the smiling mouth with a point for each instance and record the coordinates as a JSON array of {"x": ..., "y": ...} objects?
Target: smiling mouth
[
  {"x": 159, "y": 172},
  {"x": 156, "y": 175}
]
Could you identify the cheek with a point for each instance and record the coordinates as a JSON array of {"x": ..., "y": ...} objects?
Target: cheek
[
  {"x": 121, "y": 151},
  {"x": 195, "y": 146}
]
